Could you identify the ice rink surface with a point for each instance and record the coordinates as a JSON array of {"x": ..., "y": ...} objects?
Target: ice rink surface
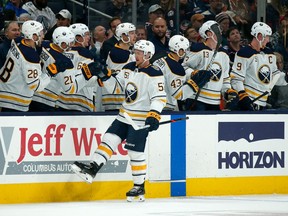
[{"x": 264, "y": 205}]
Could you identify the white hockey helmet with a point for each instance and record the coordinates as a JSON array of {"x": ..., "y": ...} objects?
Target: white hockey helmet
[
  {"x": 146, "y": 46},
  {"x": 63, "y": 34},
  {"x": 31, "y": 27},
  {"x": 124, "y": 28},
  {"x": 260, "y": 27},
  {"x": 79, "y": 29},
  {"x": 207, "y": 27},
  {"x": 178, "y": 42}
]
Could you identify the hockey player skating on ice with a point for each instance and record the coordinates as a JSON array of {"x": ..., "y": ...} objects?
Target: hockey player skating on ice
[
  {"x": 254, "y": 69},
  {"x": 145, "y": 98}
]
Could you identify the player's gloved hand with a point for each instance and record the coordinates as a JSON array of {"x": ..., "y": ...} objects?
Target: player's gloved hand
[
  {"x": 231, "y": 97},
  {"x": 201, "y": 77},
  {"x": 192, "y": 85},
  {"x": 58, "y": 66},
  {"x": 96, "y": 69},
  {"x": 245, "y": 103},
  {"x": 152, "y": 119}
]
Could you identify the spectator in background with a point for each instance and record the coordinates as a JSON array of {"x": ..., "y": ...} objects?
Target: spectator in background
[
  {"x": 109, "y": 44},
  {"x": 141, "y": 33},
  {"x": 224, "y": 21},
  {"x": 63, "y": 18},
  {"x": 197, "y": 20},
  {"x": 216, "y": 7},
  {"x": 185, "y": 10},
  {"x": 170, "y": 15},
  {"x": 159, "y": 38},
  {"x": 15, "y": 5},
  {"x": 40, "y": 12},
  {"x": 99, "y": 35},
  {"x": 11, "y": 31},
  {"x": 192, "y": 35},
  {"x": 9, "y": 15},
  {"x": 117, "y": 8},
  {"x": 154, "y": 12},
  {"x": 234, "y": 43},
  {"x": 24, "y": 17}
]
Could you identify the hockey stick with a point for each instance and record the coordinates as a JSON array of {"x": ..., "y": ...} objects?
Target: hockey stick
[
  {"x": 272, "y": 84},
  {"x": 136, "y": 127},
  {"x": 216, "y": 29}
]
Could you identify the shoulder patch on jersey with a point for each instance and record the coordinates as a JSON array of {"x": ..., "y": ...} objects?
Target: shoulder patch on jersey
[
  {"x": 59, "y": 57},
  {"x": 29, "y": 53},
  {"x": 46, "y": 43},
  {"x": 197, "y": 47},
  {"x": 267, "y": 50},
  {"x": 221, "y": 49},
  {"x": 119, "y": 55},
  {"x": 83, "y": 52},
  {"x": 130, "y": 66},
  {"x": 151, "y": 70},
  {"x": 175, "y": 67},
  {"x": 246, "y": 52}
]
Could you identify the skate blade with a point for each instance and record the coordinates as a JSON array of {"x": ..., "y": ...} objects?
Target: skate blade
[
  {"x": 86, "y": 177},
  {"x": 139, "y": 198}
]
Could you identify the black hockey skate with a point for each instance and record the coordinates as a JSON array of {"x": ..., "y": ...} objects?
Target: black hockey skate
[
  {"x": 136, "y": 194},
  {"x": 86, "y": 171}
]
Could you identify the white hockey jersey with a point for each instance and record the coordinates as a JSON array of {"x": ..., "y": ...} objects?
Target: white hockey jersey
[
  {"x": 83, "y": 98},
  {"x": 198, "y": 59},
  {"x": 116, "y": 59},
  {"x": 144, "y": 91},
  {"x": 45, "y": 16},
  {"x": 61, "y": 82},
  {"x": 175, "y": 77},
  {"x": 253, "y": 72},
  {"x": 21, "y": 76}
]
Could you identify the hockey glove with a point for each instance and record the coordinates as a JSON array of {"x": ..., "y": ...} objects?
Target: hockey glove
[
  {"x": 58, "y": 66},
  {"x": 201, "y": 77},
  {"x": 192, "y": 85},
  {"x": 152, "y": 119},
  {"x": 231, "y": 97},
  {"x": 245, "y": 103},
  {"x": 96, "y": 69}
]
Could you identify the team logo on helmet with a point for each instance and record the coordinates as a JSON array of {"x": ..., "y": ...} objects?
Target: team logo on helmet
[
  {"x": 131, "y": 92},
  {"x": 217, "y": 71},
  {"x": 264, "y": 74}
]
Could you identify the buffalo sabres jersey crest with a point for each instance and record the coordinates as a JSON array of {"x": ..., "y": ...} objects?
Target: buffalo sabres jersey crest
[
  {"x": 49, "y": 95},
  {"x": 21, "y": 76},
  {"x": 144, "y": 91},
  {"x": 199, "y": 59},
  {"x": 116, "y": 59},
  {"x": 253, "y": 71}
]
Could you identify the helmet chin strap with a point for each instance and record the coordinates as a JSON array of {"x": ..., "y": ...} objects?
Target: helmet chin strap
[
  {"x": 145, "y": 60},
  {"x": 181, "y": 56},
  {"x": 126, "y": 42},
  {"x": 260, "y": 42}
]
